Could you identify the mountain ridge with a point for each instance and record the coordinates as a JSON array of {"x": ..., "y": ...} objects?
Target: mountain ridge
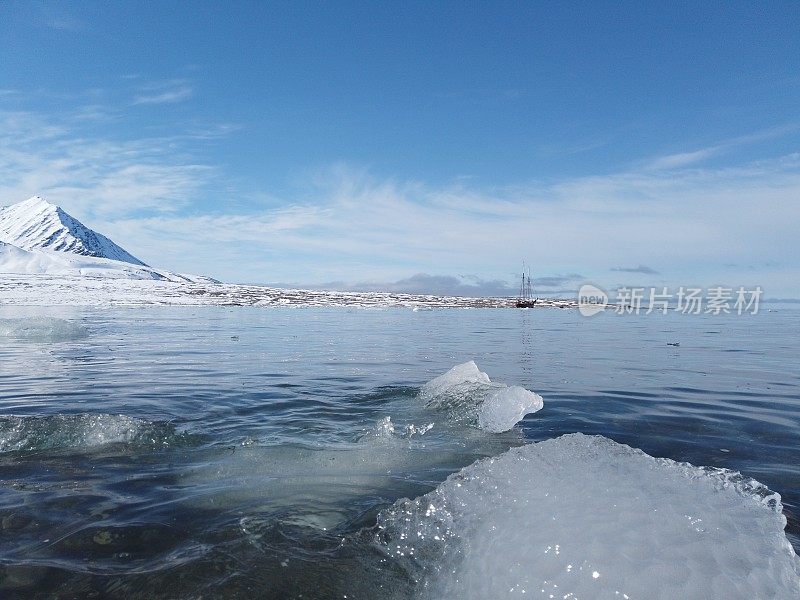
[
  {"x": 35, "y": 224},
  {"x": 40, "y": 238}
]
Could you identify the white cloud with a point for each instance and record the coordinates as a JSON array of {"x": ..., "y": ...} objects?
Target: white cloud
[
  {"x": 688, "y": 225},
  {"x": 641, "y": 269},
  {"x": 165, "y": 92},
  {"x": 684, "y": 159},
  {"x": 90, "y": 176}
]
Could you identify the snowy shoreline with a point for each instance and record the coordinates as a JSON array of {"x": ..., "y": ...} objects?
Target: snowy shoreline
[
  {"x": 49, "y": 258},
  {"x": 51, "y": 290}
]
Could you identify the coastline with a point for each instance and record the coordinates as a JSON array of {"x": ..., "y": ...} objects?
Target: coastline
[{"x": 66, "y": 290}]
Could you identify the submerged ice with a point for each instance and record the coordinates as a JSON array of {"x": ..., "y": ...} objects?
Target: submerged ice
[
  {"x": 42, "y": 329},
  {"x": 583, "y": 517},
  {"x": 82, "y": 432},
  {"x": 454, "y": 420}
]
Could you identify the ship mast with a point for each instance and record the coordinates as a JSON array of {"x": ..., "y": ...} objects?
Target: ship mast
[
  {"x": 526, "y": 299},
  {"x": 529, "y": 289},
  {"x": 523, "y": 288}
]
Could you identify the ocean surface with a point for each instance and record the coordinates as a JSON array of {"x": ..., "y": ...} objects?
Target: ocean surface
[{"x": 265, "y": 453}]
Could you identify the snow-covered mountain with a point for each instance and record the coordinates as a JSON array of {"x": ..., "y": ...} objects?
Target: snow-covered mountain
[
  {"x": 39, "y": 238},
  {"x": 35, "y": 224}
]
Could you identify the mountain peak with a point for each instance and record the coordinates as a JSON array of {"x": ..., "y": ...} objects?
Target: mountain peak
[
  {"x": 36, "y": 224},
  {"x": 36, "y": 200},
  {"x": 34, "y": 203}
]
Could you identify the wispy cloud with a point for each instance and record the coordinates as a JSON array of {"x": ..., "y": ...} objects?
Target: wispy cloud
[
  {"x": 342, "y": 224},
  {"x": 93, "y": 176},
  {"x": 643, "y": 269},
  {"x": 557, "y": 281},
  {"x": 683, "y": 159},
  {"x": 164, "y": 92},
  {"x": 349, "y": 227}
]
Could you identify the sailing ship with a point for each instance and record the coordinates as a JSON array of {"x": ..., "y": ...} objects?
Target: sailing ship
[{"x": 525, "y": 299}]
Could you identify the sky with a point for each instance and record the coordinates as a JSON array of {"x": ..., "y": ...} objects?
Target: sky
[{"x": 417, "y": 146}]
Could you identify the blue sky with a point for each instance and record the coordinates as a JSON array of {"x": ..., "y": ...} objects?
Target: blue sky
[{"x": 416, "y": 145}]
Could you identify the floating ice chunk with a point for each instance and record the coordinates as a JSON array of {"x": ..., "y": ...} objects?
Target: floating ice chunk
[
  {"x": 468, "y": 392},
  {"x": 505, "y": 407},
  {"x": 460, "y": 378},
  {"x": 585, "y": 517},
  {"x": 47, "y": 329}
]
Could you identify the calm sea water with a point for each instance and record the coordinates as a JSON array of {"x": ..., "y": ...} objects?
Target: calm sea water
[{"x": 216, "y": 452}]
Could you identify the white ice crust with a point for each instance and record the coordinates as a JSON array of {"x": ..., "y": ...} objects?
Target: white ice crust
[{"x": 583, "y": 517}]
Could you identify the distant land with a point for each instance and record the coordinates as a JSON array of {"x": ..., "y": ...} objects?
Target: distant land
[
  {"x": 48, "y": 257},
  {"x": 39, "y": 238}
]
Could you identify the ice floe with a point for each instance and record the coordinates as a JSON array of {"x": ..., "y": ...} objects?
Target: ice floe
[{"x": 583, "y": 517}]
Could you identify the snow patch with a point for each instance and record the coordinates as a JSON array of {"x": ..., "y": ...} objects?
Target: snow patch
[
  {"x": 186, "y": 290},
  {"x": 14, "y": 260}
]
